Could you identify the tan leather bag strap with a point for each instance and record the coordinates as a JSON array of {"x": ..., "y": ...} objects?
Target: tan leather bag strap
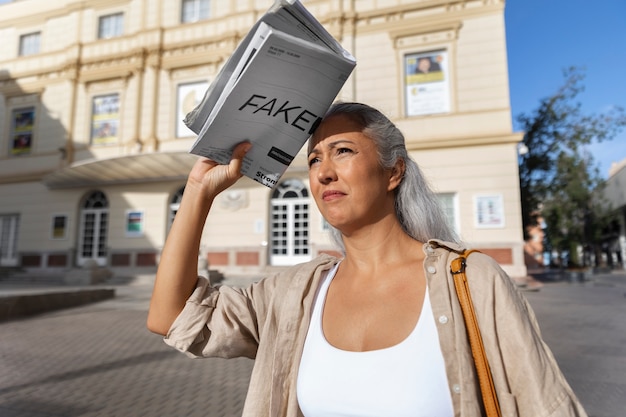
[{"x": 487, "y": 389}]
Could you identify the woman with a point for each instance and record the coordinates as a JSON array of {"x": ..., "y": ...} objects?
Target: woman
[{"x": 376, "y": 333}]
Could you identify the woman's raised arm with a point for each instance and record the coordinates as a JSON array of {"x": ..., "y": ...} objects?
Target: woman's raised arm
[{"x": 176, "y": 275}]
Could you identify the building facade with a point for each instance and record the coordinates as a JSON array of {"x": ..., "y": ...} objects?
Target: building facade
[
  {"x": 94, "y": 154},
  {"x": 614, "y": 236}
]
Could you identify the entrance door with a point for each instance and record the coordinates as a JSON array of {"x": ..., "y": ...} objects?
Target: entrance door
[
  {"x": 8, "y": 239},
  {"x": 289, "y": 227},
  {"x": 94, "y": 218}
]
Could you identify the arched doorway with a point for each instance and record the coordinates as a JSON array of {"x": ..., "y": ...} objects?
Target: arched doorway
[
  {"x": 289, "y": 223},
  {"x": 94, "y": 220}
]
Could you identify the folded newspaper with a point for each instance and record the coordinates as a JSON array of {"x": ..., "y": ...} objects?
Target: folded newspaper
[{"x": 272, "y": 92}]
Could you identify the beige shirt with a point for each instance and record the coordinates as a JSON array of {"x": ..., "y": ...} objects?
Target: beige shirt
[{"x": 268, "y": 321}]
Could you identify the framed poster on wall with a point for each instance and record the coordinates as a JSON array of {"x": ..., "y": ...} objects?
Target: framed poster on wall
[
  {"x": 22, "y": 127},
  {"x": 59, "y": 226},
  {"x": 426, "y": 83},
  {"x": 105, "y": 119},
  {"x": 134, "y": 223},
  {"x": 489, "y": 211}
]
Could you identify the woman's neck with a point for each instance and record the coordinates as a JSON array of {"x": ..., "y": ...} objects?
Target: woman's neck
[{"x": 375, "y": 248}]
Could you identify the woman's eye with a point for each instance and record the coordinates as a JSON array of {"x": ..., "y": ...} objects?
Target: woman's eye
[
  {"x": 313, "y": 161},
  {"x": 344, "y": 150}
]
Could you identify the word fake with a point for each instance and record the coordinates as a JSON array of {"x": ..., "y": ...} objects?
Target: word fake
[{"x": 296, "y": 116}]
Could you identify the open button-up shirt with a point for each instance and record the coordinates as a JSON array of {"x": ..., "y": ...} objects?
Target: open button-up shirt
[{"x": 268, "y": 322}]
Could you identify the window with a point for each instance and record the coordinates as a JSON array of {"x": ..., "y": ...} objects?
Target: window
[
  {"x": 189, "y": 96},
  {"x": 9, "y": 224},
  {"x": 111, "y": 25},
  {"x": 449, "y": 205},
  {"x": 426, "y": 83},
  {"x": 22, "y": 127},
  {"x": 30, "y": 43},
  {"x": 94, "y": 218},
  {"x": 289, "y": 223},
  {"x": 194, "y": 10},
  {"x": 105, "y": 119},
  {"x": 175, "y": 204}
]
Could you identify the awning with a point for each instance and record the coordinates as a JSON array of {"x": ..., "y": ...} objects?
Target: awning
[{"x": 131, "y": 169}]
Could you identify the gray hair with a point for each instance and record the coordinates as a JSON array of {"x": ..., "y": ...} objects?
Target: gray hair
[{"x": 417, "y": 207}]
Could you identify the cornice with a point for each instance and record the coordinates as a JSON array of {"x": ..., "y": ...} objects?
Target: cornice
[
  {"x": 102, "y": 67},
  {"x": 11, "y": 88},
  {"x": 83, "y": 62},
  {"x": 206, "y": 51},
  {"x": 19, "y": 178},
  {"x": 456, "y": 142},
  {"x": 447, "y": 5},
  {"x": 449, "y": 28},
  {"x": 39, "y": 18},
  {"x": 428, "y": 27},
  {"x": 412, "y": 17},
  {"x": 114, "y": 66}
]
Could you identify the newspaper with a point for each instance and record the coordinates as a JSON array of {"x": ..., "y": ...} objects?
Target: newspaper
[{"x": 272, "y": 92}]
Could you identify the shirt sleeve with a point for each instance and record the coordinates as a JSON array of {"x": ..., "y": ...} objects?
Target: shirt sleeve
[
  {"x": 217, "y": 322},
  {"x": 230, "y": 322}
]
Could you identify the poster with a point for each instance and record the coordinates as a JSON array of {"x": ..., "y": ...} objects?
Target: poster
[
  {"x": 189, "y": 96},
  {"x": 23, "y": 124},
  {"x": 105, "y": 119},
  {"x": 134, "y": 223},
  {"x": 59, "y": 226},
  {"x": 489, "y": 211},
  {"x": 427, "y": 83}
]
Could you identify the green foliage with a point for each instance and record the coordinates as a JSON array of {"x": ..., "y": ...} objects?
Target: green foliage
[{"x": 557, "y": 174}]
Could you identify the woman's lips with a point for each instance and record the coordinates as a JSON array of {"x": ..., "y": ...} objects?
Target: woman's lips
[{"x": 331, "y": 195}]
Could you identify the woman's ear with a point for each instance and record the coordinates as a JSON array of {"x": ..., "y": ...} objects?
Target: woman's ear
[{"x": 397, "y": 174}]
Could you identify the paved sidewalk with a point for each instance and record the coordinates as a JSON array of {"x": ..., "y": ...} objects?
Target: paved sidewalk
[
  {"x": 99, "y": 360},
  {"x": 585, "y": 326}
]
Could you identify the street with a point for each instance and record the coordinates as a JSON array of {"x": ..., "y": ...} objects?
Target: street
[
  {"x": 99, "y": 359},
  {"x": 585, "y": 326}
]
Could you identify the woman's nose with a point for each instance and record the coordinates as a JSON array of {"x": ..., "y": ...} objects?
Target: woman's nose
[{"x": 326, "y": 172}]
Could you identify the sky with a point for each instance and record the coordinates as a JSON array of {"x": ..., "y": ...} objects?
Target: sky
[{"x": 546, "y": 36}]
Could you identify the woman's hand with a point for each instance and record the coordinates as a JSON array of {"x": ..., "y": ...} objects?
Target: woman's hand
[{"x": 212, "y": 178}]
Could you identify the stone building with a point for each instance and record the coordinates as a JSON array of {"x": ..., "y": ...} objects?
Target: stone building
[
  {"x": 614, "y": 237},
  {"x": 94, "y": 154}
]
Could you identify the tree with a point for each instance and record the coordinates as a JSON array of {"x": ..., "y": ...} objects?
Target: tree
[
  {"x": 573, "y": 212},
  {"x": 557, "y": 175}
]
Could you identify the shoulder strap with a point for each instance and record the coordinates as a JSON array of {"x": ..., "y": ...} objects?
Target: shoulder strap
[{"x": 487, "y": 389}]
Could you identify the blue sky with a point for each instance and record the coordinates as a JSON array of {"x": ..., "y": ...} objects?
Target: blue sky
[{"x": 546, "y": 36}]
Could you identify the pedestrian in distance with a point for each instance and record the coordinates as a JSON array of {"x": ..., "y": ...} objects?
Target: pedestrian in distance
[{"x": 375, "y": 332}]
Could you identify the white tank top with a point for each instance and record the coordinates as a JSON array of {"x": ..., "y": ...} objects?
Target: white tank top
[{"x": 405, "y": 380}]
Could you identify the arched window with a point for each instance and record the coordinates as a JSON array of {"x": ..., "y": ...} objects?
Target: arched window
[{"x": 289, "y": 223}]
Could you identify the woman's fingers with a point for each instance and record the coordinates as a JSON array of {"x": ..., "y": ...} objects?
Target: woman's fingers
[
  {"x": 215, "y": 178},
  {"x": 236, "y": 160}
]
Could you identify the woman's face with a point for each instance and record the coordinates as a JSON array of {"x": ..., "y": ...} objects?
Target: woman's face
[
  {"x": 423, "y": 64},
  {"x": 349, "y": 185}
]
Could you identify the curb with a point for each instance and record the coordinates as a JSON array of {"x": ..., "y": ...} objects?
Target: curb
[{"x": 24, "y": 305}]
